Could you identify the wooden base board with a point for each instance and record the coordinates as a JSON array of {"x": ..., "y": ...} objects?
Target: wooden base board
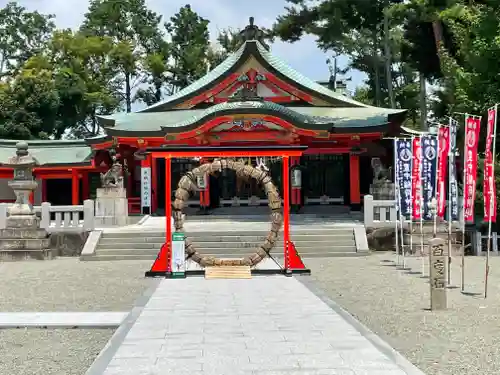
[{"x": 228, "y": 272}]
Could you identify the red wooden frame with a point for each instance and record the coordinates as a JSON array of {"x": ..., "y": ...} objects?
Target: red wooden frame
[{"x": 162, "y": 264}]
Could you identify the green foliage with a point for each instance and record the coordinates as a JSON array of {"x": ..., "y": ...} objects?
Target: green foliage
[{"x": 23, "y": 34}]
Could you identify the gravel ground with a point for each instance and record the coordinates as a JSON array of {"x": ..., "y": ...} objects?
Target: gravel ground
[
  {"x": 66, "y": 284},
  {"x": 463, "y": 340},
  {"x": 50, "y": 352}
]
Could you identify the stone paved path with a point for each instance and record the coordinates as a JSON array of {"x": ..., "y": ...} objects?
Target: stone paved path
[{"x": 263, "y": 326}]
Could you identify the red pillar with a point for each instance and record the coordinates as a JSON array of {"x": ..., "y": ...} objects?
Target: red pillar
[
  {"x": 354, "y": 182},
  {"x": 154, "y": 185},
  {"x": 286, "y": 210},
  {"x": 75, "y": 188},
  {"x": 168, "y": 213}
]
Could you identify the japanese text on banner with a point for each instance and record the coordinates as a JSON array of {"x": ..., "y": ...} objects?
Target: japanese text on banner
[
  {"x": 489, "y": 188},
  {"x": 404, "y": 159},
  {"x": 453, "y": 193},
  {"x": 444, "y": 148},
  {"x": 416, "y": 179},
  {"x": 429, "y": 165},
  {"x": 470, "y": 166}
]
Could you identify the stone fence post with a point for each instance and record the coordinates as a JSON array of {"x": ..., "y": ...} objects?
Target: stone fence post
[
  {"x": 368, "y": 210},
  {"x": 3, "y": 215},
  {"x": 45, "y": 212},
  {"x": 88, "y": 215}
]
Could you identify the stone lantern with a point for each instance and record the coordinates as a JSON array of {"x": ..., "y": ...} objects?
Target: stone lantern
[
  {"x": 22, "y": 237},
  {"x": 23, "y": 183}
]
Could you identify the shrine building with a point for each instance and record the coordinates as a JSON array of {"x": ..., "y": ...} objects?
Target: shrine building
[{"x": 251, "y": 99}]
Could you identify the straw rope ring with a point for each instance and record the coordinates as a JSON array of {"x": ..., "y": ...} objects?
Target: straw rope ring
[{"x": 188, "y": 185}]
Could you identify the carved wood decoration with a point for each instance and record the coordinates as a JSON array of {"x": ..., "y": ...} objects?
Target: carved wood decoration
[{"x": 187, "y": 185}]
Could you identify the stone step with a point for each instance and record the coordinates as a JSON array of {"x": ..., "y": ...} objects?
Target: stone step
[
  {"x": 222, "y": 251},
  {"x": 250, "y": 233},
  {"x": 235, "y": 256},
  {"x": 226, "y": 241}
]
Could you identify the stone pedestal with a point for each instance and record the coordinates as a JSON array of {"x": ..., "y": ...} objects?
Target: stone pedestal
[
  {"x": 23, "y": 239},
  {"x": 111, "y": 207},
  {"x": 437, "y": 269}
]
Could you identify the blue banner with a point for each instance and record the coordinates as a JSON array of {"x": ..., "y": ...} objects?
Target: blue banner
[
  {"x": 453, "y": 193},
  {"x": 429, "y": 167},
  {"x": 404, "y": 159}
]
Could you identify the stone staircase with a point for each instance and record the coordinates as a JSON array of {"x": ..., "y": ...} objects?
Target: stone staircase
[{"x": 144, "y": 245}]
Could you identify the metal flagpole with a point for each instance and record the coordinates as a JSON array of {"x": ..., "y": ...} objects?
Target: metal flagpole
[
  {"x": 396, "y": 198},
  {"x": 421, "y": 202},
  {"x": 464, "y": 168},
  {"x": 450, "y": 166},
  {"x": 487, "y": 271}
]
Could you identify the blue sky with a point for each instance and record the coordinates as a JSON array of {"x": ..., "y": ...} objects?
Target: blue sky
[{"x": 303, "y": 56}]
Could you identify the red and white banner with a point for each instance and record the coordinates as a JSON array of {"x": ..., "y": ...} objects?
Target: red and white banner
[
  {"x": 489, "y": 188},
  {"x": 442, "y": 169},
  {"x": 472, "y": 125},
  {"x": 416, "y": 180}
]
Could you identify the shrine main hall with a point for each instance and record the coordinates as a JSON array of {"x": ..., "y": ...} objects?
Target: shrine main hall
[{"x": 252, "y": 99}]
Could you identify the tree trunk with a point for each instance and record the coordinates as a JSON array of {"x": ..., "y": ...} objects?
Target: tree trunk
[
  {"x": 387, "y": 50},
  {"x": 423, "y": 103},
  {"x": 438, "y": 39},
  {"x": 376, "y": 75},
  {"x": 128, "y": 101}
]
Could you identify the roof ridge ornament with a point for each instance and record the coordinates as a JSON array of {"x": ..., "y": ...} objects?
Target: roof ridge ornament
[{"x": 253, "y": 32}]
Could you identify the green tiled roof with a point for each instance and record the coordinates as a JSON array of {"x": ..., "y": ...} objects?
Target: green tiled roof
[
  {"x": 50, "y": 152},
  {"x": 347, "y": 117},
  {"x": 238, "y": 57}
]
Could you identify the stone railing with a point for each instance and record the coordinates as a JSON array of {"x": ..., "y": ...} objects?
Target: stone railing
[
  {"x": 382, "y": 213},
  {"x": 60, "y": 218}
]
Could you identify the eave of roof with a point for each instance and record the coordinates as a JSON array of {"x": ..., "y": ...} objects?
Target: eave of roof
[
  {"x": 51, "y": 152},
  {"x": 316, "y": 118}
]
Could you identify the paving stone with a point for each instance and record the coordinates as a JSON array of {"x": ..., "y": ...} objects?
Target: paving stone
[{"x": 262, "y": 326}]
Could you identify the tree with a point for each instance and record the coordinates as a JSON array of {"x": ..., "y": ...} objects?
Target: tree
[
  {"x": 23, "y": 34},
  {"x": 29, "y": 102},
  {"x": 189, "y": 47},
  {"x": 86, "y": 79},
  {"x": 135, "y": 32}
]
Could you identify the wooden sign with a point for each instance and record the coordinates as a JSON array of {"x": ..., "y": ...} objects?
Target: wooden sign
[{"x": 438, "y": 260}]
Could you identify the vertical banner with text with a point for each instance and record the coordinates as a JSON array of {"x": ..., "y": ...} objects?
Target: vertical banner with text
[
  {"x": 404, "y": 160},
  {"x": 444, "y": 148},
  {"x": 416, "y": 179},
  {"x": 429, "y": 165},
  {"x": 145, "y": 189},
  {"x": 453, "y": 186},
  {"x": 489, "y": 188},
  {"x": 472, "y": 125}
]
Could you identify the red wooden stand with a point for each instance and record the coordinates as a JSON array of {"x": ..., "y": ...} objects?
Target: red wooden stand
[{"x": 293, "y": 262}]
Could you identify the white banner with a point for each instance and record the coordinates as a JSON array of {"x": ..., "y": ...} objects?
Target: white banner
[{"x": 145, "y": 187}]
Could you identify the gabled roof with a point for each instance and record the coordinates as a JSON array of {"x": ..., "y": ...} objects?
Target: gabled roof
[
  {"x": 51, "y": 152},
  {"x": 270, "y": 62}
]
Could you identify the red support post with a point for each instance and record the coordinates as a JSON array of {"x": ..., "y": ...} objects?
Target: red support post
[
  {"x": 75, "y": 188},
  {"x": 154, "y": 184},
  {"x": 168, "y": 211},
  {"x": 354, "y": 181},
  {"x": 286, "y": 210},
  {"x": 162, "y": 264}
]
